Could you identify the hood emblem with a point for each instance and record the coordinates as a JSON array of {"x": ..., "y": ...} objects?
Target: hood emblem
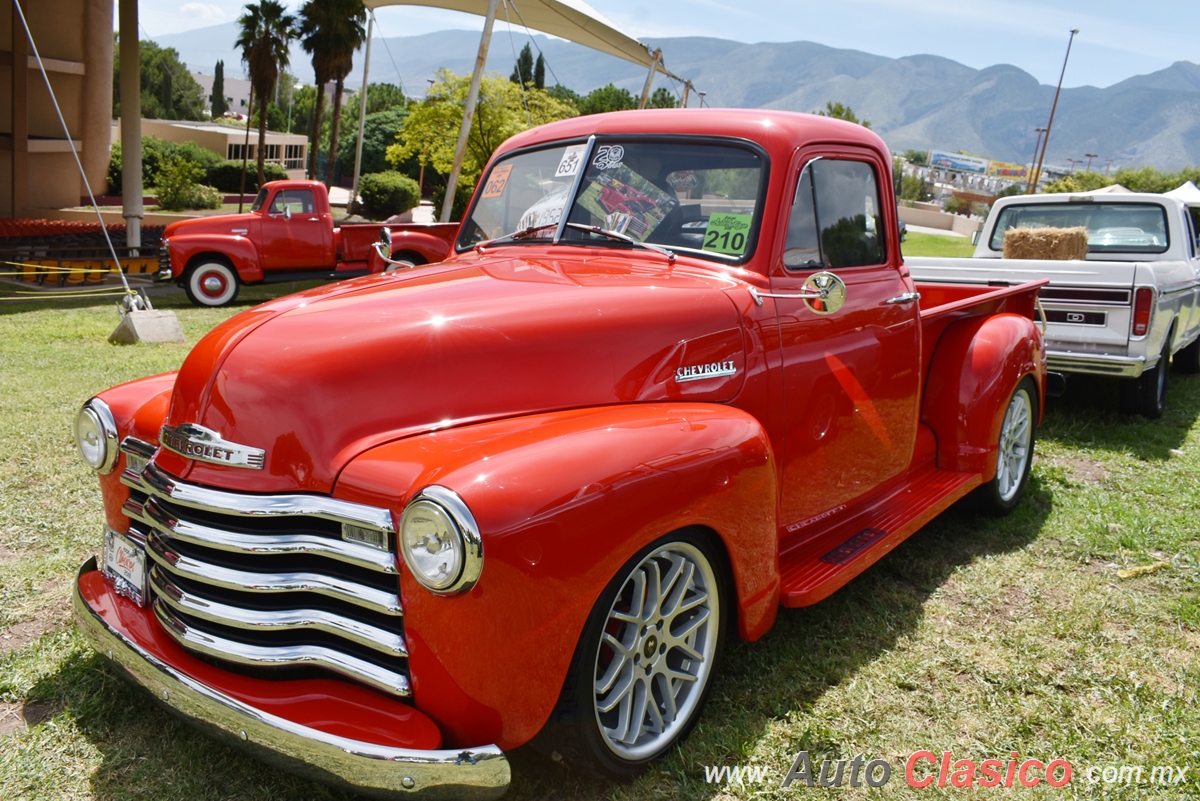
[
  {"x": 699, "y": 372},
  {"x": 205, "y": 445}
]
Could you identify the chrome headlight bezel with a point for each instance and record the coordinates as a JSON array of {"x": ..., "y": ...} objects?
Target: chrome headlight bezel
[
  {"x": 95, "y": 417},
  {"x": 462, "y": 535}
]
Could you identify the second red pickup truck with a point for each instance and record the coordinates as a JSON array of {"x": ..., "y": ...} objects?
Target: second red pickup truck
[{"x": 288, "y": 235}]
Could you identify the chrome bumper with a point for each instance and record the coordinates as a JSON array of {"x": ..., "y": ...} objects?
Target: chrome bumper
[
  {"x": 1095, "y": 363},
  {"x": 369, "y": 768}
]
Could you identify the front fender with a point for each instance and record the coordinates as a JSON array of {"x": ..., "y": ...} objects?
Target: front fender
[
  {"x": 976, "y": 365},
  {"x": 563, "y": 501},
  {"x": 241, "y": 252}
]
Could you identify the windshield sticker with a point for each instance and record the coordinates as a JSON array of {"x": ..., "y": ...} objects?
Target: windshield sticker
[
  {"x": 497, "y": 181},
  {"x": 571, "y": 159},
  {"x": 682, "y": 181},
  {"x": 626, "y": 198},
  {"x": 728, "y": 233},
  {"x": 608, "y": 157},
  {"x": 547, "y": 211}
]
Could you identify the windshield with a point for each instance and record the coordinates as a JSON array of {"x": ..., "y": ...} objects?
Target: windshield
[
  {"x": 1111, "y": 227},
  {"x": 693, "y": 196}
]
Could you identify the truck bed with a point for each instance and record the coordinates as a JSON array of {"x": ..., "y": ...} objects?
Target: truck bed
[{"x": 945, "y": 303}]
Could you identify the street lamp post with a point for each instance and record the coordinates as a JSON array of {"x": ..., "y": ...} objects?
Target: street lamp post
[
  {"x": 702, "y": 94},
  {"x": 1037, "y": 173},
  {"x": 1090, "y": 156},
  {"x": 1033, "y": 163},
  {"x": 1073, "y": 162}
]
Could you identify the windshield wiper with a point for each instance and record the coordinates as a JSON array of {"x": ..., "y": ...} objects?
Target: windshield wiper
[
  {"x": 521, "y": 234},
  {"x": 595, "y": 229}
]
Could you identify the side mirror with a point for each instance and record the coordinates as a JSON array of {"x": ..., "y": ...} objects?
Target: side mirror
[
  {"x": 287, "y": 212},
  {"x": 384, "y": 245},
  {"x": 975, "y": 237}
]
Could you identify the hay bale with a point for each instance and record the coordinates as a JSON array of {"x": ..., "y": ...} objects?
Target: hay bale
[{"x": 1058, "y": 244}]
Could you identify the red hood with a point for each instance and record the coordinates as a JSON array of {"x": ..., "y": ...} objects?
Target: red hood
[
  {"x": 316, "y": 378},
  {"x": 219, "y": 224}
]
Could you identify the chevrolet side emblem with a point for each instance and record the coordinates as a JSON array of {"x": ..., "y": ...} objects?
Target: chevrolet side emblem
[
  {"x": 205, "y": 445},
  {"x": 698, "y": 372}
]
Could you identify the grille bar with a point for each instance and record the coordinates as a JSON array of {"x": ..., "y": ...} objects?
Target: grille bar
[
  {"x": 280, "y": 656},
  {"x": 373, "y": 637},
  {"x": 245, "y": 581},
  {"x": 266, "y": 544}
]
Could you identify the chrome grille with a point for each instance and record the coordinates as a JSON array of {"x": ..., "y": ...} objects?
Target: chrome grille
[{"x": 267, "y": 581}]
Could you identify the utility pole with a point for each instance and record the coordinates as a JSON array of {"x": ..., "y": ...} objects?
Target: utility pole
[{"x": 1037, "y": 173}]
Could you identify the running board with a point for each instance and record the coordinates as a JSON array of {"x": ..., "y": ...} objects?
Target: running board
[{"x": 812, "y": 570}]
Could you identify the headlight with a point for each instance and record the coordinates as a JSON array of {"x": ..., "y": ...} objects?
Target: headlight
[
  {"x": 440, "y": 541},
  {"x": 96, "y": 435}
]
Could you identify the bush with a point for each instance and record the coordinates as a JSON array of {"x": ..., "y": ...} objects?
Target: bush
[
  {"x": 227, "y": 175},
  {"x": 387, "y": 193},
  {"x": 156, "y": 153},
  {"x": 179, "y": 188},
  {"x": 461, "y": 198}
]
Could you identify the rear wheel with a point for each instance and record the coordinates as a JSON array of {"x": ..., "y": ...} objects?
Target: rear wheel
[
  {"x": 1188, "y": 359},
  {"x": 1014, "y": 452},
  {"x": 645, "y": 663},
  {"x": 1148, "y": 393},
  {"x": 211, "y": 283}
]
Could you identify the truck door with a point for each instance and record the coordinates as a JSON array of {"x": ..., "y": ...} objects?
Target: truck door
[
  {"x": 850, "y": 361},
  {"x": 295, "y": 236}
]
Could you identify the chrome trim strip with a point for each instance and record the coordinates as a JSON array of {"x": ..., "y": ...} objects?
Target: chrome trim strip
[
  {"x": 280, "y": 656},
  {"x": 475, "y": 774},
  {"x": 349, "y": 591},
  {"x": 135, "y": 511},
  {"x": 269, "y": 544},
  {"x": 137, "y": 447},
  {"x": 1096, "y": 363},
  {"x": 386, "y": 642},
  {"x": 158, "y": 482}
]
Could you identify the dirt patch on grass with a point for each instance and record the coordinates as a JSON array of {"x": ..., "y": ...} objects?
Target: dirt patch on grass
[
  {"x": 8, "y": 556},
  {"x": 1084, "y": 471},
  {"x": 46, "y": 619},
  {"x": 17, "y": 717}
]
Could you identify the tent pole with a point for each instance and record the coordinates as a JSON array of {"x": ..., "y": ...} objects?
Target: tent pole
[
  {"x": 687, "y": 88},
  {"x": 650, "y": 78},
  {"x": 362, "y": 113},
  {"x": 469, "y": 111}
]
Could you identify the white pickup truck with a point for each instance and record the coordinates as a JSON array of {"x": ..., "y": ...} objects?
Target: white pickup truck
[{"x": 1130, "y": 310}]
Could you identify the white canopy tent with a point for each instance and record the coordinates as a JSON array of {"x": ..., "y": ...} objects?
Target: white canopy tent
[
  {"x": 1188, "y": 193},
  {"x": 573, "y": 20}
]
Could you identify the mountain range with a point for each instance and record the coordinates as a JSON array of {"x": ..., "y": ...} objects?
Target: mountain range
[{"x": 916, "y": 102}]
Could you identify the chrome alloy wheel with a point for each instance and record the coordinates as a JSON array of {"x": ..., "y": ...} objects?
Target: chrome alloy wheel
[
  {"x": 657, "y": 651},
  {"x": 1016, "y": 441}
]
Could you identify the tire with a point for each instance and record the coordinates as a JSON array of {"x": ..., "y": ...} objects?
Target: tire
[
  {"x": 1014, "y": 452},
  {"x": 211, "y": 283},
  {"x": 631, "y": 693},
  {"x": 1152, "y": 385},
  {"x": 1188, "y": 359}
]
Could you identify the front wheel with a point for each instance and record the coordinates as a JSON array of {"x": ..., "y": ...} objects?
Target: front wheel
[
  {"x": 1014, "y": 452},
  {"x": 645, "y": 663},
  {"x": 211, "y": 283}
]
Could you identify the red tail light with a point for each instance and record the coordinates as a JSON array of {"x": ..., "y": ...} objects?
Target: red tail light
[{"x": 1143, "y": 304}]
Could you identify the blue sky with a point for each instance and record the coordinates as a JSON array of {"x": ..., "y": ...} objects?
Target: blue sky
[{"x": 1117, "y": 39}]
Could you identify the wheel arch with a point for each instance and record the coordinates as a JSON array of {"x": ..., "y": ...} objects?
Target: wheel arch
[
  {"x": 977, "y": 363},
  {"x": 564, "y": 500},
  {"x": 239, "y": 253}
]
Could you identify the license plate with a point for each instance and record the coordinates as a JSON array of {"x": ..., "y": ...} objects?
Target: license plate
[{"x": 125, "y": 566}]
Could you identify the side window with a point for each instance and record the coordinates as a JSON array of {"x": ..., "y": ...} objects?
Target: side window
[
  {"x": 836, "y": 220},
  {"x": 300, "y": 201},
  {"x": 1194, "y": 221}
]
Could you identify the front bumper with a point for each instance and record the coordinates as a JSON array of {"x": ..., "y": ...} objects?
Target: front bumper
[
  {"x": 308, "y": 737},
  {"x": 1069, "y": 361}
]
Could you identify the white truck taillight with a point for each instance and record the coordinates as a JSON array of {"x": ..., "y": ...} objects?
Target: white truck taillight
[{"x": 1143, "y": 305}]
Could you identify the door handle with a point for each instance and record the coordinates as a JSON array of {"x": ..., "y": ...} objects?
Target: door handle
[{"x": 907, "y": 297}]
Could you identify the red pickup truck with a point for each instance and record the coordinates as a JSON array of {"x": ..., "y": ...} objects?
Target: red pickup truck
[
  {"x": 288, "y": 235},
  {"x": 384, "y": 531}
]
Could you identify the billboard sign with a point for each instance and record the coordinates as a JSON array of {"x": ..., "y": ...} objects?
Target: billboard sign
[
  {"x": 956, "y": 161},
  {"x": 1011, "y": 172}
]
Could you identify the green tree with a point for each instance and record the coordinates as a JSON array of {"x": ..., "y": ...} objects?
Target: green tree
[
  {"x": 1079, "y": 182},
  {"x": 523, "y": 69},
  {"x": 539, "y": 73},
  {"x": 913, "y": 188},
  {"x": 918, "y": 157},
  {"x": 331, "y": 31},
  {"x": 217, "y": 98},
  {"x": 662, "y": 98},
  {"x": 430, "y": 132},
  {"x": 840, "y": 112},
  {"x": 266, "y": 30},
  {"x": 560, "y": 92},
  {"x": 379, "y": 131},
  {"x": 169, "y": 92},
  {"x": 606, "y": 98}
]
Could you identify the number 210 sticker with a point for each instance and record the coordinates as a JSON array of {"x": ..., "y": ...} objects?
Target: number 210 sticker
[{"x": 728, "y": 233}]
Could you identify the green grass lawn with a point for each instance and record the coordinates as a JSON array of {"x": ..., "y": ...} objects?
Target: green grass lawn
[
  {"x": 918, "y": 244},
  {"x": 977, "y": 636}
]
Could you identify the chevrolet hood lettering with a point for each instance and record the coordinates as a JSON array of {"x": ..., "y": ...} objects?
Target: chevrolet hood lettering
[
  {"x": 699, "y": 372},
  {"x": 205, "y": 445}
]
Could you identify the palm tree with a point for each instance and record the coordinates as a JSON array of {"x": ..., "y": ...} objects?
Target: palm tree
[
  {"x": 266, "y": 31},
  {"x": 332, "y": 30}
]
